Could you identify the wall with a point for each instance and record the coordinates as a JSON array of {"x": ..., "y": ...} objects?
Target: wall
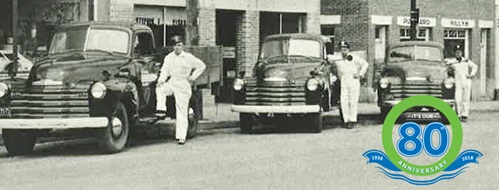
[{"x": 455, "y": 9}]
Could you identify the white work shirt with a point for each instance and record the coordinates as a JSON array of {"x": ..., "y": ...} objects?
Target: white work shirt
[
  {"x": 462, "y": 69},
  {"x": 348, "y": 68},
  {"x": 179, "y": 67}
]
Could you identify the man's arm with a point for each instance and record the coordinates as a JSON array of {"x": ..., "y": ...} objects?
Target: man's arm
[
  {"x": 165, "y": 70},
  {"x": 474, "y": 68},
  {"x": 363, "y": 67},
  {"x": 199, "y": 68}
]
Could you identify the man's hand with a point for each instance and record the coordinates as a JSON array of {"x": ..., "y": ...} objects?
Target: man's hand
[
  {"x": 160, "y": 83},
  {"x": 356, "y": 76}
]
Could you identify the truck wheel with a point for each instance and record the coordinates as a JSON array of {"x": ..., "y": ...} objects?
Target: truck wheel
[
  {"x": 246, "y": 123},
  {"x": 19, "y": 141},
  {"x": 315, "y": 122},
  {"x": 193, "y": 123},
  {"x": 326, "y": 106},
  {"x": 384, "y": 113},
  {"x": 114, "y": 137}
]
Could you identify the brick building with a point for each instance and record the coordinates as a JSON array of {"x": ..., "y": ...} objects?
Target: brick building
[
  {"x": 237, "y": 25},
  {"x": 371, "y": 26}
]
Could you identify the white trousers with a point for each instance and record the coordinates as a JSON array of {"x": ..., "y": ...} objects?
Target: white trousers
[
  {"x": 349, "y": 99},
  {"x": 181, "y": 90},
  {"x": 463, "y": 96}
]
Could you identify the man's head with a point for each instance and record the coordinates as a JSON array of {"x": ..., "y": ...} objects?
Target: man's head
[
  {"x": 458, "y": 51},
  {"x": 178, "y": 44},
  {"x": 345, "y": 48}
]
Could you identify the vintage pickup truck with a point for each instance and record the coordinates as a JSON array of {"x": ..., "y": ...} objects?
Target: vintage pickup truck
[
  {"x": 292, "y": 78},
  {"x": 410, "y": 69},
  {"x": 98, "y": 77}
]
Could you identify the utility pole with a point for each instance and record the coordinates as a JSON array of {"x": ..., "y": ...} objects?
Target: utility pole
[
  {"x": 13, "y": 71},
  {"x": 192, "y": 29},
  {"x": 414, "y": 20}
]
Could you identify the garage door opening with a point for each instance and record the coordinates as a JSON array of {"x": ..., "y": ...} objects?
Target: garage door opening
[{"x": 226, "y": 36}]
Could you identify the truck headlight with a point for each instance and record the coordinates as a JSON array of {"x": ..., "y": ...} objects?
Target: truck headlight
[
  {"x": 238, "y": 84},
  {"x": 333, "y": 79},
  {"x": 3, "y": 89},
  {"x": 448, "y": 83},
  {"x": 312, "y": 84},
  {"x": 98, "y": 90},
  {"x": 383, "y": 83}
]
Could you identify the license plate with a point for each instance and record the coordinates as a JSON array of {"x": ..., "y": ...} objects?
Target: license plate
[
  {"x": 422, "y": 116},
  {"x": 5, "y": 112}
]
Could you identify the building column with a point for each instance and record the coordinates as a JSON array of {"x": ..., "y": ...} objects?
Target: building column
[
  {"x": 121, "y": 11},
  {"x": 248, "y": 39},
  {"x": 313, "y": 23},
  {"x": 207, "y": 26}
]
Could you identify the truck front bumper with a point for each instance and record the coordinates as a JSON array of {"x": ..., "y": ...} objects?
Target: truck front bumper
[
  {"x": 54, "y": 123},
  {"x": 392, "y": 103},
  {"x": 276, "y": 109}
]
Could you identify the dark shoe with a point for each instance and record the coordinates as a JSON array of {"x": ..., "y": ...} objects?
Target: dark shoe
[
  {"x": 350, "y": 125},
  {"x": 161, "y": 114},
  {"x": 181, "y": 141},
  {"x": 464, "y": 119},
  {"x": 345, "y": 125}
]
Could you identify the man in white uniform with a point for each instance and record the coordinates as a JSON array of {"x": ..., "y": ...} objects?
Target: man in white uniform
[
  {"x": 464, "y": 70},
  {"x": 178, "y": 72},
  {"x": 351, "y": 69}
]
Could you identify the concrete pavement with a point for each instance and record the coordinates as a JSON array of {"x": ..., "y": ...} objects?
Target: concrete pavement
[{"x": 329, "y": 160}]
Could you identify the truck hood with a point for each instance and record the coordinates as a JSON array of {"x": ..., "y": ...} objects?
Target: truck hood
[
  {"x": 286, "y": 71},
  {"x": 416, "y": 70},
  {"x": 76, "y": 68}
]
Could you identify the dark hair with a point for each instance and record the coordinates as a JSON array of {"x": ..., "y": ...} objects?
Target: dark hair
[{"x": 177, "y": 39}]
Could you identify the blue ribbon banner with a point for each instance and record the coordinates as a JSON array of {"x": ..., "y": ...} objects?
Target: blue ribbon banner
[{"x": 458, "y": 165}]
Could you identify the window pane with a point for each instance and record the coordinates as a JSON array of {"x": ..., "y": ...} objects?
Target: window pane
[
  {"x": 108, "y": 40},
  {"x": 305, "y": 48},
  {"x": 327, "y": 30}
]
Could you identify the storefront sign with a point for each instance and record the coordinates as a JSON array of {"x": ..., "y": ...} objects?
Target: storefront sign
[
  {"x": 423, "y": 22},
  {"x": 229, "y": 52},
  {"x": 457, "y": 23},
  {"x": 179, "y": 22},
  {"x": 148, "y": 21}
]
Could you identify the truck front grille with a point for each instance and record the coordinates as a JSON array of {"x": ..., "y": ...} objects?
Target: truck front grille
[
  {"x": 409, "y": 89},
  {"x": 50, "y": 102},
  {"x": 274, "y": 93}
]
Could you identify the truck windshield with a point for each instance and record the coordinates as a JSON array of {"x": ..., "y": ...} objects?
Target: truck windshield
[
  {"x": 82, "y": 39},
  {"x": 291, "y": 47},
  {"x": 412, "y": 53}
]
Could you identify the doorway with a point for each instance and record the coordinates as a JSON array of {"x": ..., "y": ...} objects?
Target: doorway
[{"x": 226, "y": 36}]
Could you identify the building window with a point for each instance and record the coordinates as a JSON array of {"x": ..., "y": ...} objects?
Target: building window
[
  {"x": 423, "y": 34},
  {"x": 454, "y": 37},
  {"x": 328, "y": 31}
]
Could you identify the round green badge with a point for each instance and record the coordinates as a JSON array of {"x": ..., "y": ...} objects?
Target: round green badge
[{"x": 446, "y": 160}]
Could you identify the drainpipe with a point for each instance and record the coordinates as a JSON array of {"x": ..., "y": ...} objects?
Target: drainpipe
[
  {"x": 13, "y": 71},
  {"x": 496, "y": 90}
]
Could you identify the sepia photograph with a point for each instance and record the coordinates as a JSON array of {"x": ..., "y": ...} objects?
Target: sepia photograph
[{"x": 249, "y": 94}]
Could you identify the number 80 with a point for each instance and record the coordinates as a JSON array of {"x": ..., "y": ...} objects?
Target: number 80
[{"x": 424, "y": 141}]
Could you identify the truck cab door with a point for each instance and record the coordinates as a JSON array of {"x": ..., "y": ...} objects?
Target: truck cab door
[{"x": 147, "y": 62}]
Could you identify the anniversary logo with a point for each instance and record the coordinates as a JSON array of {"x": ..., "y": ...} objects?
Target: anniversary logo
[{"x": 413, "y": 139}]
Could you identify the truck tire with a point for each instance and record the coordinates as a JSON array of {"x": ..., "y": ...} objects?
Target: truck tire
[
  {"x": 384, "y": 113},
  {"x": 114, "y": 137},
  {"x": 193, "y": 123},
  {"x": 315, "y": 122},
  {"x": 246, "y": 122},
  {"x": 19, "y": 141}
]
